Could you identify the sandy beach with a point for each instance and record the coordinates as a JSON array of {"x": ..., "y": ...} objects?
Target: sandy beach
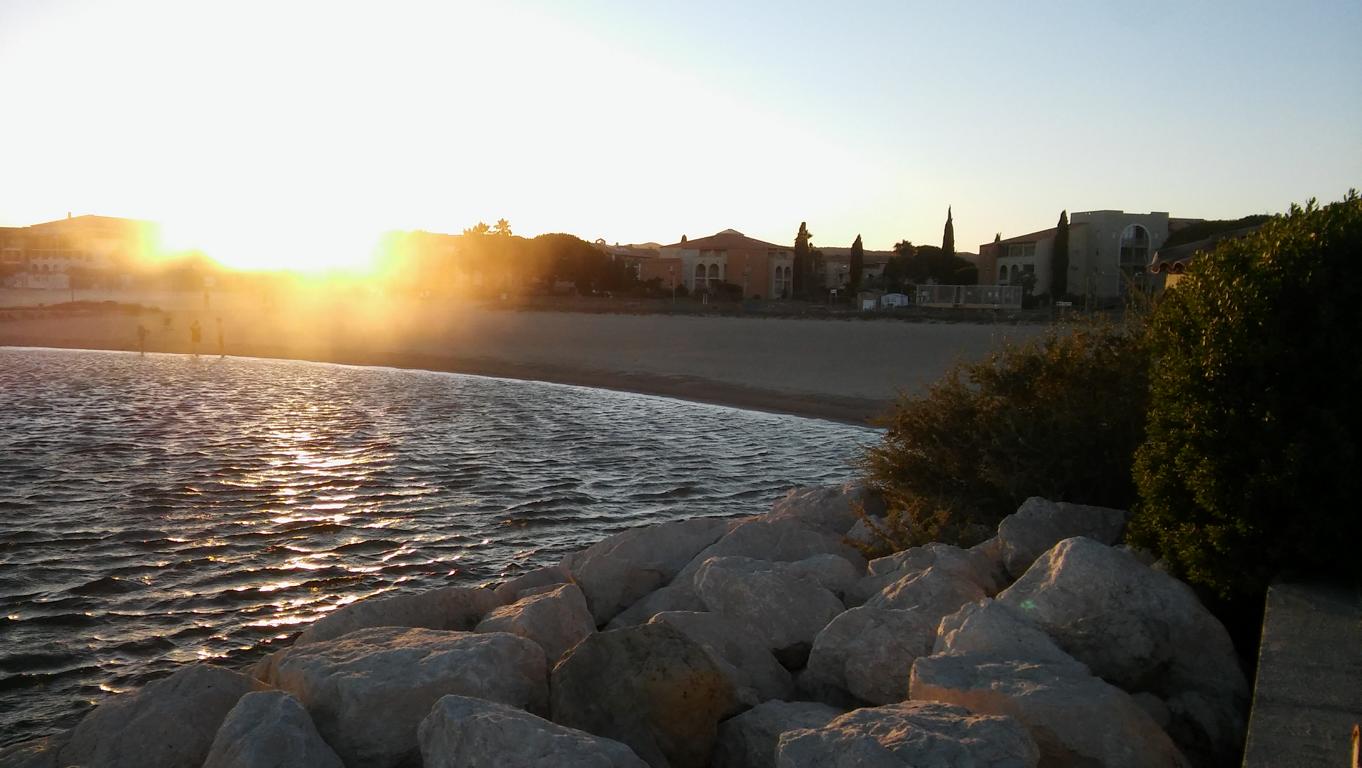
[{"x": 836, "y": 369}]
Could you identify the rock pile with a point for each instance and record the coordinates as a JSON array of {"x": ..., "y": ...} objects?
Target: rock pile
[{"x": 765, "y": 641}]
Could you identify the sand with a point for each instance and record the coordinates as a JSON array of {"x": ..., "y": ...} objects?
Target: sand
[{"x": 845, "y": 370}]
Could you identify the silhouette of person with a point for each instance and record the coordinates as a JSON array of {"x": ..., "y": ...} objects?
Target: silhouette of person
[
  {"x": 141, "y": 339},
  {"x": 195, "y": 336}
]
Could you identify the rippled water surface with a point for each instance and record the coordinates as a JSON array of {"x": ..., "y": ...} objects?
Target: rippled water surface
[{"x": 165, "y": 509}]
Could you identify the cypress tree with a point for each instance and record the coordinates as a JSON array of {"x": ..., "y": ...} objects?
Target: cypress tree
[
  {"x": 802, "y": 261},
  {"x": 948, "y": 237},
  {"x": 1059, "y": 259},
  {"x": 857, "y": 264}
]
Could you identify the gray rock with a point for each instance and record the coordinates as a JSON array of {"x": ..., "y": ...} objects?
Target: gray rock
[
  {"x": 557, "y": 620},
  {"x": 868, "y": 653},
  {"x": 990, "y": 628},
  {"x": 833, "y": 508},
  {"x": 463, "y": 732},
  {"x": 679, "y": 595},
  {"x": 777, "y": 540},
  {"x": 446, "y": 608},
  {"x": 650, "y": 687},
  {"x": 368, "y": 691},
  {"x": 741, "y": 654},
  {"x": 862, "y": 534},
  {"x": 911, "y": 734},
  {"x": 932, "y": 594},
  {"x": 788, "y": 611},
  {"x": 1075, "y": 718},
  {"x": 170, "y": 722},
  {"x": 34, "y": 753},
  {"x": 1143, "y": 631},
  {"x": 1038, "y": 525},
  {"x": 970, "y": 564},
  {"x": 831, "y": 572},
  {"x": 619, "y": 570},
  {"x": 269, "y": 729},
  {"x": 510, "y": 590},
  {"x": 749, "y": 740}
]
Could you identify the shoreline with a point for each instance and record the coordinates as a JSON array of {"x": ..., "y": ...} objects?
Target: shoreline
[{"x": 844, "y": 410}]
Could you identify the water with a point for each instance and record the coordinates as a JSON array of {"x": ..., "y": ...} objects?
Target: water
[{"x": 162, "y": 510}]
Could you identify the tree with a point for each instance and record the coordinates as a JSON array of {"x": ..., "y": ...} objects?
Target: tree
[
  {"x": 1059, "y": 260},
  {"x": 857, "y": 263},
  {"x": 480, "y": 228},
  {"x": 803, "y": 261},
  {"x": 502, "y": 228},
  {"x": 948, "y": 236}
]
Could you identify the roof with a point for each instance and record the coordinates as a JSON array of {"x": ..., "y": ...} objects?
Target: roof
[
  {"x": 1174, "y": 260},
  {"x": 728, "y": 240},
  {"x": 1032, "y": 237}
]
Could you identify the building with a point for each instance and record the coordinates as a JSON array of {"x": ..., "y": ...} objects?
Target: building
[
  {"x": 837, "y": 265},
  {"x": 1172, "y": 260},
  {"x": 1109, "y": 254},
  {"x": 762, "y": 269},
  {"x": 89, "y": 248}
]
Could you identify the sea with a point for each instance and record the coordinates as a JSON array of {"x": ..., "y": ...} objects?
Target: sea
[{"x": 160, "y": 510}]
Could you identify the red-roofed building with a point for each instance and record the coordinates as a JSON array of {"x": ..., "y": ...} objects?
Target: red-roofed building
[{"x": 762, "y": 269}]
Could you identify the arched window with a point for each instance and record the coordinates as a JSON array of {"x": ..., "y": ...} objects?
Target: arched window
[
  {"x": 699, "y": 278},
  {"x": 1014, "y": 273},
  {"x": 1002, "y": 274},
  {"x": 1135, "y": 247},
  {"x": 713, "y": 274}
]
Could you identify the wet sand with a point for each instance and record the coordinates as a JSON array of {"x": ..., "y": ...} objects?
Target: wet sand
[{"x": 834, "y": 369}]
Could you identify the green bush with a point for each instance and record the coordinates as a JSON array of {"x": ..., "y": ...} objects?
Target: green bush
[
  {"x": 1252, "y": 461},
  {"x": 1058, "y": 417}
]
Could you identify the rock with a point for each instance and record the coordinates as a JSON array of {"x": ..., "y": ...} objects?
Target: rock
[
  {"x": 786, "y": 610},
  {"x": 268, "y": 729},
  {"x": 990, "y": 628},
  {"x": 650, "y": 687},
  {"x": 679, "y": 595},
  {"x": 868, "y": 653},
  {"x": 831, "y": 572},
  {"x": 989, "y": 555},
  {"x": 1075, "y": 718},
  {"x": 910, "y": 734},
  {"x": 862, "y": 534},
  {"x": 833, "y": 508},
  {"x": 463, "y": 732},
  {"x": 446, "y": 608},
  {"x": 749, "y": 740},
  {"x": 933, "y": 593},
  {"x": 777, "y": 540},
  {"x": 556, "y": 620},
  {"x": 965, "y": 563},
  {"x": 616, "y": 572},
  {"x": 510, "y": 590},
  {"x": 741, "y": 654},
  {"x": 1038, "y": 525},
  {"x": 170, "y": 722},
  {"x": 367, "y": 691},
  {"x": 1143, "y": 631}
]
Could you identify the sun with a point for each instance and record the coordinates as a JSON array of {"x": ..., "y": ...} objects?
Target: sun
[{"x": 307, "y": 244}]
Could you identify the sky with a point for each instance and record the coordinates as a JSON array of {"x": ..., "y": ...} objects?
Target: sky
[{"x": 292, "y": 133}]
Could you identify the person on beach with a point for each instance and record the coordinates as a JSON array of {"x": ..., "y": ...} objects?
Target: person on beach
[
  {"x": 195, "y": 336},
  {"x": 141, "y": 340}
]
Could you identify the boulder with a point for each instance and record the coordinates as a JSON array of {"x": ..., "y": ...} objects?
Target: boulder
[
  {"x": 741, "y": 654},
  {"x": 991, "y": 628},
  {"x": 831, "y": 572},
  {"x": 1143, "y": 631},
  {"x": 267, "y": 729},
  {"x": 446, "y": 608},
  {"x": 1038, "y": 525},
  {"x": 557, "y": 620},
  {"x": 510, "y": 590},
  {"x": 833, "y": 508},
  {"x": 679, "y": 595},
  {"x": 786, "y": 610},
  {"x": 932, "y": 594},
  {"x": 170, "y": 722},
  {"x": 650, "y": 687},
  {"x": 908, "y": 735},
  {"x": 777, "y": 540},
  {"x": 367, "y": 691},
  {"x": 749, "y": 740},
  {"x": 463, "y": 732},
  {"x": 861, "y": 534},
  {"x": 963, "y": 563},
  {"x": 868, "y": 653},
  {"x": 617, "y": 571},
  {"x": 1075, "y": 718}
]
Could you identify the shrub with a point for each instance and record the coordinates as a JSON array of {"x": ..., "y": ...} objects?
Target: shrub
[
  {"x": 1254, "y": 438},
  {"x": 1059, "y": 417}
]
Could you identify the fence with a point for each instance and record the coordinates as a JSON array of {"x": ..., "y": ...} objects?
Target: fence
[{"x": 970, "y": 296}]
